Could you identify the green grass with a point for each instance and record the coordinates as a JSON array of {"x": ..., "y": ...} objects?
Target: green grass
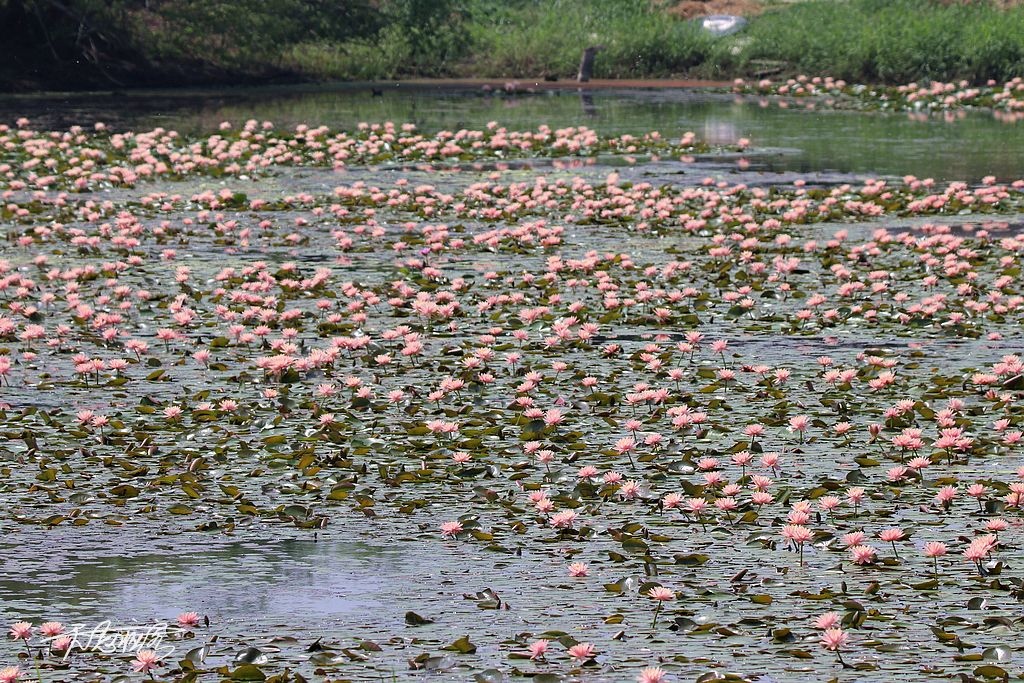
[
  {"x": 874, "y": 41},
  {"x": 539, "y": 37},
  {"x": 891, "y": 41},
  {"x": 885, "y": 41}
]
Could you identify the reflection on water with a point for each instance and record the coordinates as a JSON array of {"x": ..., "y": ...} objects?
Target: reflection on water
[
  {"x": 720, "y": 132},
  {"x": 964, "y": 145},
  {"x": 276, "y": 580}
]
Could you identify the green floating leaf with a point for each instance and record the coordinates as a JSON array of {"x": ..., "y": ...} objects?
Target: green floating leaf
[
  {"x": 413, "y": 619},
  {"x": 462, "y": 645},
  {"x": 125, "y": 491},
  {"x": 992, "y": 671},
  {"x": 248, "y": 672},
  {"x": 634, "y": 545},
  {"x": 548, "y": 678}
]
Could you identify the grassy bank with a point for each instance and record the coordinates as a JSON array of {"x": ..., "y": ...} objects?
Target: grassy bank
[
  {"x": 188, "y": 41},
  {"x": 891, "y": 41},
  {"x": 884, "y": 41}
]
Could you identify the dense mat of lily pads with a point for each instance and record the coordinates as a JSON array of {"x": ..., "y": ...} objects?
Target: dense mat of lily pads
[
  {"x": 1005, "y": 100},
  {"x": 691, "y": 429}
]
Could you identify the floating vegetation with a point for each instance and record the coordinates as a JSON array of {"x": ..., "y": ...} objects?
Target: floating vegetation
[
  {"x": 936, "y": 96},
  {"x": 590, "y": 426}
]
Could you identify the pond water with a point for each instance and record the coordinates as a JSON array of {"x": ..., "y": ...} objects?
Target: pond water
[
  {"x": 958, "y": 146},
  {"x": 155, "y": 462}
]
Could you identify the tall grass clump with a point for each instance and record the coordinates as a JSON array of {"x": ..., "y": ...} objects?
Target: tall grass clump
[
  {"x": 425, "y": 38},
  {"x": 534, "y": 37}
]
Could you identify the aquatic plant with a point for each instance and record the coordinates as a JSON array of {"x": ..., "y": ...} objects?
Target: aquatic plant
[{"x": 554, "y": 374}]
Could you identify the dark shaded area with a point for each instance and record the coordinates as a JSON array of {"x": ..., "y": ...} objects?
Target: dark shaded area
[{"x": 81, "y": 44}]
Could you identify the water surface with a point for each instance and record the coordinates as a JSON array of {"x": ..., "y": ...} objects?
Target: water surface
[{"x": 962, "y": 146}]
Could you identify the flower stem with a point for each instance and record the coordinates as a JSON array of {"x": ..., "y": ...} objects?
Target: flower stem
[{"x": 35, "y": 661}]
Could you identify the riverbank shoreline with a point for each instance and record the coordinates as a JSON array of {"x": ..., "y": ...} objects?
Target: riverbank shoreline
[
  {"x": 526, "y": 84},
  {"x": 484, "y": 85}
]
